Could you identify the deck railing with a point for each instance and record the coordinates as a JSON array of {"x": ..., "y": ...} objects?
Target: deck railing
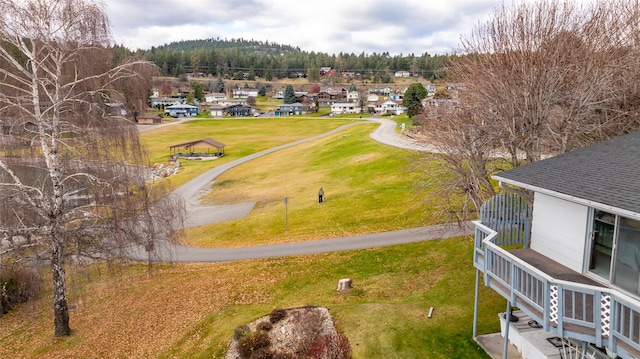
[{"x": 603, "y": 316}]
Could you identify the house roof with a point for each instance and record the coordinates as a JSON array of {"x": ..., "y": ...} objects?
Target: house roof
[
  {"x": 606, "y": 173},
  {"x": 180, "y": 106},
  {"x": 295, "y": 104},
  {"x": 205, "y": 142}
]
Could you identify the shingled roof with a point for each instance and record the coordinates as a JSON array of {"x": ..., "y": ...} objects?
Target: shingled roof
[{"x": 606, "y": 173}]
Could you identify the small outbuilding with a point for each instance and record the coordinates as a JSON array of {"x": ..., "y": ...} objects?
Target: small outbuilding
[{"x": 205, "y": 147}]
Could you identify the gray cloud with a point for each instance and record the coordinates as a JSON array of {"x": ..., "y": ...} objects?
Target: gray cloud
[{"x": 332, "y": 26}]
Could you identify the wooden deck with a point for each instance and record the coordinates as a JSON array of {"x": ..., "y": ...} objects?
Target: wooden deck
[
  {"x": 558, "y": 271},
  {"x": 552, "y": 268}
]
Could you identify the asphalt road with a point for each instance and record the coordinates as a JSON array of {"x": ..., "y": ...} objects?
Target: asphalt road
[{"x": 201, "y": 215}]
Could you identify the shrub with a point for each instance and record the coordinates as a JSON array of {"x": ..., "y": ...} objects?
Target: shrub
[
  {"x": 277, "y": 315},
  {"x": 265, "y": 326},
  {"x": 262, "y": 353},
  {"x": 18, "y": 285},
  {"x": 254, "y": 345},
  {"x": 331, "y": 346},
  {"x": 240, "y": 332}
]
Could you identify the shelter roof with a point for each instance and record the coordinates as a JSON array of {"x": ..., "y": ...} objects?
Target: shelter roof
[{"x": 208, "y": 142}]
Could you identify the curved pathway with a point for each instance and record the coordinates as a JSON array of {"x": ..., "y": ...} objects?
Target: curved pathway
[
  {"x": 386, "y": 133},
  {"x": 201, "y": 215},
  {"x": 194, "y": 189}
]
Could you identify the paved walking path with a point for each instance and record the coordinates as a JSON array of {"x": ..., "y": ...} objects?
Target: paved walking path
[{"x": 201, "y": 215}]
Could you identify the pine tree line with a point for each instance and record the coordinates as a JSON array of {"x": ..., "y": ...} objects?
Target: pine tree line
[{"x": 267, "y": 60}]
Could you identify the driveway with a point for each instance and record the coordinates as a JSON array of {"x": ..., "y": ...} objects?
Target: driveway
[{"x": 201, "y": 215}]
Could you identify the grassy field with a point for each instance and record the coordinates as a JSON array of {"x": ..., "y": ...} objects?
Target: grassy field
[
  {"x": 191, "y": 310},
  {"x": 242, "y": 137},
  {"x": 368, "y": 187}
]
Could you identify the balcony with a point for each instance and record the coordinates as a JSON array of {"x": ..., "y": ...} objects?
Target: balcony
[{"x": 564, "y": 302}]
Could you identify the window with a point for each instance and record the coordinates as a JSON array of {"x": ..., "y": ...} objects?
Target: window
[{"x": 615, "y": 250}]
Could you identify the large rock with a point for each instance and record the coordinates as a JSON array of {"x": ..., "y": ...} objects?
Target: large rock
[{"x": 290, "y": 333}]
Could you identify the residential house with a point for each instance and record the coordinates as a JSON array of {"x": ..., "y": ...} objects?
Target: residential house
[
  {"x": 326, "y": 71},
  {"x": 235, "y": 109},
  {"x": 389, "y": 107},
  {"x": 402, "y": 74},
  {"x": 307, "y": 98},
  {"x": 215, "y": 97},
  {"x": 342, "y": 91},
  {"x": 373, "y": 98},
  {"x": 303, "y": 97},
  {"x": 239, "y": 110},
  {"x": 353, "y": 96},
  {"x": 350, "y": 75},
  {"x": 216, "y": 111},
  {"x": 292, "y": 109},
  {"x": 434, "y": 108},
  {"x": 345, "y": 107},
  {"x": 383, "y": 91},
  {"x": 226, "y": 103},
  {"x": 328, "y": 98},
  {"x": 181, "y": 110},
  {"x": 244, "y": 93},
  {"x": 162, "y": 102},
  {"x": 570, "y": 262},
  {"x": 115, "y": 109}
]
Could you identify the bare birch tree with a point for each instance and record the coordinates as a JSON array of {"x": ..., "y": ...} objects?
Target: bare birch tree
[
  {"x": 72, "y": 170},
  {"x": 540, "y": 79}
]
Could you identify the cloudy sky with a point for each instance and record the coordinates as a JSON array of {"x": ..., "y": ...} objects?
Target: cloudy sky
[{"x": 330, "y": 26}]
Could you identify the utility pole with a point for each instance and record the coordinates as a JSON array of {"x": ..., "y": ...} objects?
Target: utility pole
[{"x": 286, "y": 214}]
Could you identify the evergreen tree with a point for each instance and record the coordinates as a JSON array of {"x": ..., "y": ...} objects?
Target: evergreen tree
[
  {"x": 198, "y": 91},
  {"x": 190, "y": 98},
  {"x": 352, "y": 87},
  {"x": 289, "y": 94},
  {"x": 313, "y": 73},
  {"x": 413, "y": 98},
  {"x": 219, "y": 87}
]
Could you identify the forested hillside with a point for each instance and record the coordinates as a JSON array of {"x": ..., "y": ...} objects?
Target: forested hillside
[{"x": 271, "y": 60}]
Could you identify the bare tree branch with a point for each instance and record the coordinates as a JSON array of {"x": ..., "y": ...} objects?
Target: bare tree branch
[
  {"x": 539, "y": 79},
  {"x": 72, "y": 177}
]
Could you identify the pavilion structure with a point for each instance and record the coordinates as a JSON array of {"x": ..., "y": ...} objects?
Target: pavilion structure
[{"x": 205, "y": 147}]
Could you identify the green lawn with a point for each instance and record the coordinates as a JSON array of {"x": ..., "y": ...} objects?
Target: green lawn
[
  {"x": 242, "y": 137},
  {"x": 384, "y": 316},
  {"x": 192, "y": 310},
  {"x": 369, "y": 187}
]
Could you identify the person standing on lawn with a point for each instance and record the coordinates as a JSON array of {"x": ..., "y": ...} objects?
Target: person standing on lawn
[{"x": 320, "y": 195}]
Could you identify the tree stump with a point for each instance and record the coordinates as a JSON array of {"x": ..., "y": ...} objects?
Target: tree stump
[{"x": 344, "y": 284}]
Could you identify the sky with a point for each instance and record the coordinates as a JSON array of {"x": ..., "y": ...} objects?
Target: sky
[{"x": 329, "y": 26}]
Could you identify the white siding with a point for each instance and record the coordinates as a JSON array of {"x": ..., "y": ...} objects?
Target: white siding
[{"x": 558, "y": 230}]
